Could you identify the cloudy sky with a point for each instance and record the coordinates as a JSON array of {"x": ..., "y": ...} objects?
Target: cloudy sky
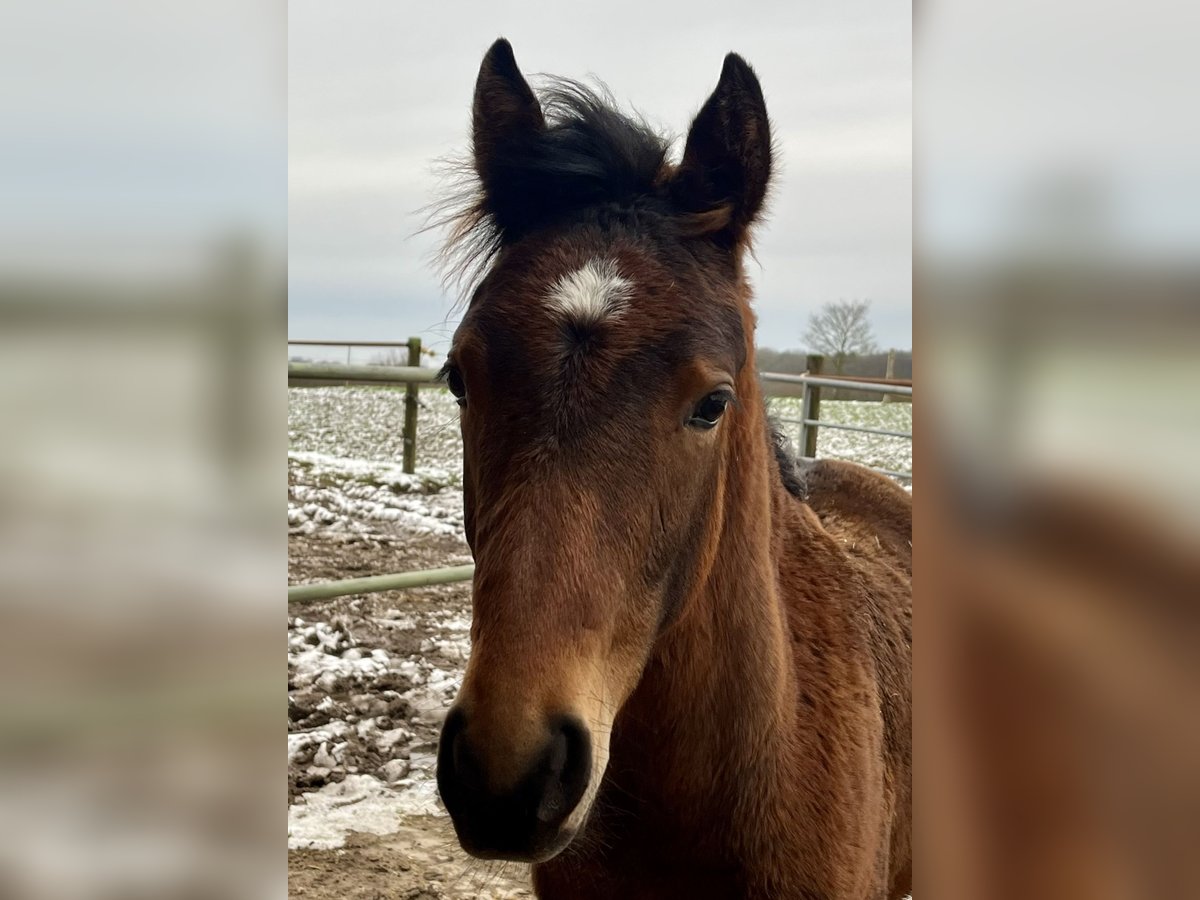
[{"x": 380, "y": 89}]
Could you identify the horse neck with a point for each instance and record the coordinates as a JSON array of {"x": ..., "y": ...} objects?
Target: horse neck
[{"x": 717, "y": 697}]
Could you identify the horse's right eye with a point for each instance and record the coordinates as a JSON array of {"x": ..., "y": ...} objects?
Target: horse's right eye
[{"x": 454, "y": 382}]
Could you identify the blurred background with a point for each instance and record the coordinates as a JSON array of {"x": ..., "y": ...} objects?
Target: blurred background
[
  {"x": 143, "y": 202},
  {"x": 1057, "y": 261}
]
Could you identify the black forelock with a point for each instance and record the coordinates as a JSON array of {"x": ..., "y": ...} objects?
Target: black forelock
[{"x": 589, "y": 154}]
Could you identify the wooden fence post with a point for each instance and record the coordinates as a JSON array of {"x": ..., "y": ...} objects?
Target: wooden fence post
[
  {"x": 811, "y": 406},
  {"x": 410, "y": 409},
  {"x": 889, "y": 374}
]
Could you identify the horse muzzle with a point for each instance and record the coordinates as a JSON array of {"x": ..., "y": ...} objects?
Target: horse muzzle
[{"x": 521, "y": 818}]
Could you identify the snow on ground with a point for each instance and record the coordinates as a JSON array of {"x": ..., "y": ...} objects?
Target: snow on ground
[
  {"x": 363, "y": 722},
  {"x": 368, "y": 687},
  {"x": 344, "y": 474},
  {"x": 367, "y": 423},
  {"x": 369, "y": 499}
]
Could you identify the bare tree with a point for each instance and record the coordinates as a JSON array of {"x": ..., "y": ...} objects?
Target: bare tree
[{"x": 841, "y": 330}]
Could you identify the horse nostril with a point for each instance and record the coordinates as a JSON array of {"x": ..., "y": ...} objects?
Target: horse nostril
[
  {"x": 567, "y": 765},
  {"x": 456, "y": 761},
  {"x": 466, "y": 766}
]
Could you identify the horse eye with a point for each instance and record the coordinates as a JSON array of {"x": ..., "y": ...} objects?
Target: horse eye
[
  {"x": 454, "y": 381},
  {"x": 709, "y": 410}
]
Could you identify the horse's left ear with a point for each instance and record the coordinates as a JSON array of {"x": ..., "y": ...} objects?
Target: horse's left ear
[{"x": 727, "y": 159}]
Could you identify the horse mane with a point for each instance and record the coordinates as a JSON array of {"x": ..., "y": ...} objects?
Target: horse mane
[
  {"x": 590, "y": 154},
  {"x": 791, "y": 467}
]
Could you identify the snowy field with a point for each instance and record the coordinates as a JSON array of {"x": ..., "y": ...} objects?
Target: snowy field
[{"x": 370, "y": 678}]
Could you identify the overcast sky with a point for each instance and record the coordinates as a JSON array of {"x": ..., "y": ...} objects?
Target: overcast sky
[{"x": 379, "y": 89}]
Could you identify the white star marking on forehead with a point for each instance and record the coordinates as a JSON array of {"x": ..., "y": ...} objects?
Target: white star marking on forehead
[{"x": 591, "y": 294}]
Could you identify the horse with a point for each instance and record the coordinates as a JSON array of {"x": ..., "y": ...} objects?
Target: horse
[{"x": 690, "y": 658}]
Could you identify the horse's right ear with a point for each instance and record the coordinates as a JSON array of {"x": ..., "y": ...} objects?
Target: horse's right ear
[{"x": 505, "y": 116}]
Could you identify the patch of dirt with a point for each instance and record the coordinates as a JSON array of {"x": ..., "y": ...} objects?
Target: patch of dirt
[
  {"x": 332, "y": 557},
  {"x": 422, "y": 861}
]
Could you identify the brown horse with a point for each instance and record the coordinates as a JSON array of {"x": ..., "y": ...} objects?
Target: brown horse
[{"x": 690, "y": 664}]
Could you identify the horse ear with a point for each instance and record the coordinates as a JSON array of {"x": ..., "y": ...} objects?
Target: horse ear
[
  {"x": 505, "y": 114},
  {"x": 727, "y": 159}
]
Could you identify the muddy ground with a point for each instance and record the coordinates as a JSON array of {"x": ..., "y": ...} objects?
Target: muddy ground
[
  {"x": 369, "y": 713},
  {"x": 421, "y": 861}
]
